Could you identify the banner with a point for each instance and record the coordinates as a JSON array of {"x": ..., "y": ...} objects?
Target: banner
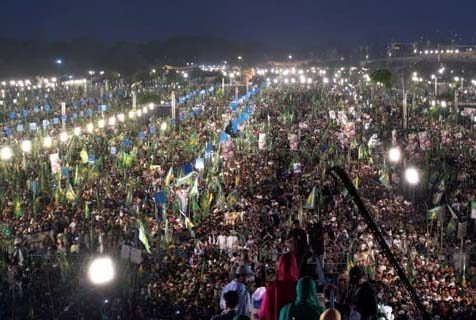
[
  {"x": 55, "y": 163},
  {"x": 262, "y": 141}
]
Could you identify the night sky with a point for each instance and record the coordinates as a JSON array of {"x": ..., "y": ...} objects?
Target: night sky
[{"x": 278, "y": 22}]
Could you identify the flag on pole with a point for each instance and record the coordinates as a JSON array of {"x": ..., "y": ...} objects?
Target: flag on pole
[
  {"x": 169, "y": 177},
  {"x": 184, "y": 180},
  {"x": 18, "y": 210},
  {"x": 87, "y": 214},
  {"x": 84, "y": 156},
  {"x": 194, "y": 190},
  {"x": 311, "y": 200},
  {"x": 434, "y": 213},
  {"x": 143, "y": 237},
  {"x": 70, "y": 194}
]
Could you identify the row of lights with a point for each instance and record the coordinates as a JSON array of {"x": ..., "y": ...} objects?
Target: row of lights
[
  {"x": 6, "y": 152},
  {"x": 426, "y": 52}
]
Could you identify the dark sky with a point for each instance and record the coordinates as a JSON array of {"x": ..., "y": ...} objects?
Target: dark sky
[{"x": 279, "y": 22}]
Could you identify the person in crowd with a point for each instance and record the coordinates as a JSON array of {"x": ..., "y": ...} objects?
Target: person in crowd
[
  {"x": 298, "y": 239},
  {"x": 282, "y": 290},
  {"x": 362, "y": 294},
  {"x": 330, "y": 314},
  {"x": 243, "y": 272},
  {"x": 306, "y": 306},
  {"x": 231, "y": 299}
]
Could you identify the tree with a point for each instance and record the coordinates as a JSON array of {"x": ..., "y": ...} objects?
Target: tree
[{"x": 383, "y": 76}]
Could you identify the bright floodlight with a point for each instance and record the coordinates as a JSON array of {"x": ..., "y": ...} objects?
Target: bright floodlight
[
  {"x": 394, "y": 154},
  {"x": 101, "y": 271},
  {"x": 77, "y": 131},
  {"x": 163, "y": 126},
  {"x": 47, "y": 142},
  {"x": 412, "y": 176},
  {"x": 63, "y": 136},
  {"x": 132, "y": 114},
  {"x": 90, "y": 127},
  {"x": 151, "y": 106},
  {"x": 26, "y": 146},
  {"x": 145, "y": 110},
  {"x": 6, "y": 153},
  {"x": 59, "y": 61}
]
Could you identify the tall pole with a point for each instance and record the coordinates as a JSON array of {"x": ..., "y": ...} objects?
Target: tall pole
[
  {"x": 236, "y": 92},
  {"x": 63, "y": 114},
  {"x": 172, "y": 103},
  {"x": 134, "y": 101},
  {"x": 405, "y": 110},
  {"x": 223, "y": 86},
  {"x": 436, "y": 86}
]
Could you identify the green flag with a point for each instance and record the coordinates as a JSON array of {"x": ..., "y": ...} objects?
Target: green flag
[
  {"x": 184, "y": 180},
  {"x": 169, "y": 177},
  {"x": 87, "y": 214},
  {"x": 194, "y": 190},
  {"x": 434, "y": 213},
  {"x": 70, "y": 194},
  {"x": 84, "y": 156},
  {"x": 143, "y": 236},
  {"x": 233, "y": 198},
  {"x": 311, "y": 200},
  {"x": 18, "y": 210}
]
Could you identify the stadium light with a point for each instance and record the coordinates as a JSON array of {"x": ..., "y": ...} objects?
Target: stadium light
[
  {"x": 63, "y": 136},
  {"x": 90, "y": 127},
  {"x": 101, "y": 271},
  {"x": 163, "y": 126},
  {"x": 412, "y": 176},
  {"x": 47, "y": 142},
  {"x": 394, "y": 155},
  {"x": 26, "y": 146},
  {"x": 77, "y": 131},
  {"x": 6, "y": 153}
]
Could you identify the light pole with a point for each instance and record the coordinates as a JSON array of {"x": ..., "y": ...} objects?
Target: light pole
[{"x": 436, "y": 83}]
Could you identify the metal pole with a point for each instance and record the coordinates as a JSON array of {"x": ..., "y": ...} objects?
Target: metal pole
[
  {"x": 134, "y": 101},
  {"x": 172, "y": 103},
  {"x": 223, "y": 86},
  {"x": 63, "y": 114},
  {"x": 436, "y": 86},
  {"x": 236, "y": 92},
  {"x": 339, "y": 173}
]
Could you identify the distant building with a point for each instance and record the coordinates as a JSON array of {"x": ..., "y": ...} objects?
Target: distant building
[{"x": 401, "y": 49}]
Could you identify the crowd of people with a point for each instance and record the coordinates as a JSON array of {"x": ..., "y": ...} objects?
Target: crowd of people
[{"x": 261, "y": 230}]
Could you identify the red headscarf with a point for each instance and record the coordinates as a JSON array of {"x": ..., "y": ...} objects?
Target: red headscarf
[{"x": 281, "y": 291}]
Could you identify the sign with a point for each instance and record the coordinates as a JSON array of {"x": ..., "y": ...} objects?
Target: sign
[
  {"x": 262, "y": 141},
  {"x": 55, "y": 163}
]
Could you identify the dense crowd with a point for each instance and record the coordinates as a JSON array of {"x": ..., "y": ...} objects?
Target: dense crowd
[{"x": 267, "y": 233}]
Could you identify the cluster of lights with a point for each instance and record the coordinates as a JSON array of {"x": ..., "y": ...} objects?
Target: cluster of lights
[
  {"x": 447, "y": 51},
  {"x": 77, "y": 82},
  {"x": 6, "y": 152}
]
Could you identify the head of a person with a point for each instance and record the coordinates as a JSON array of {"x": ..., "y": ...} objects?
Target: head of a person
[
  {"x": 288, "y": 267},
  {"x": 243, "y": 272},
  {"x": 356, "y": 275},
  {"x": 231, "y": 299},
  {"x": 306, "y": 291},
  {"x": 296, "y": 224},
  {"x": 330, "y": 314}
]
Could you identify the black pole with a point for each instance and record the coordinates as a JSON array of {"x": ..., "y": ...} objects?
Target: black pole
[{"x": 338, "y": 172}]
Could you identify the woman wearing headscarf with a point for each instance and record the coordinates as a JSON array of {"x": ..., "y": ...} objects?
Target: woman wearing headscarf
[
  {"x": 306, "y": 306},
  {"x": 282, "y": 290}
]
